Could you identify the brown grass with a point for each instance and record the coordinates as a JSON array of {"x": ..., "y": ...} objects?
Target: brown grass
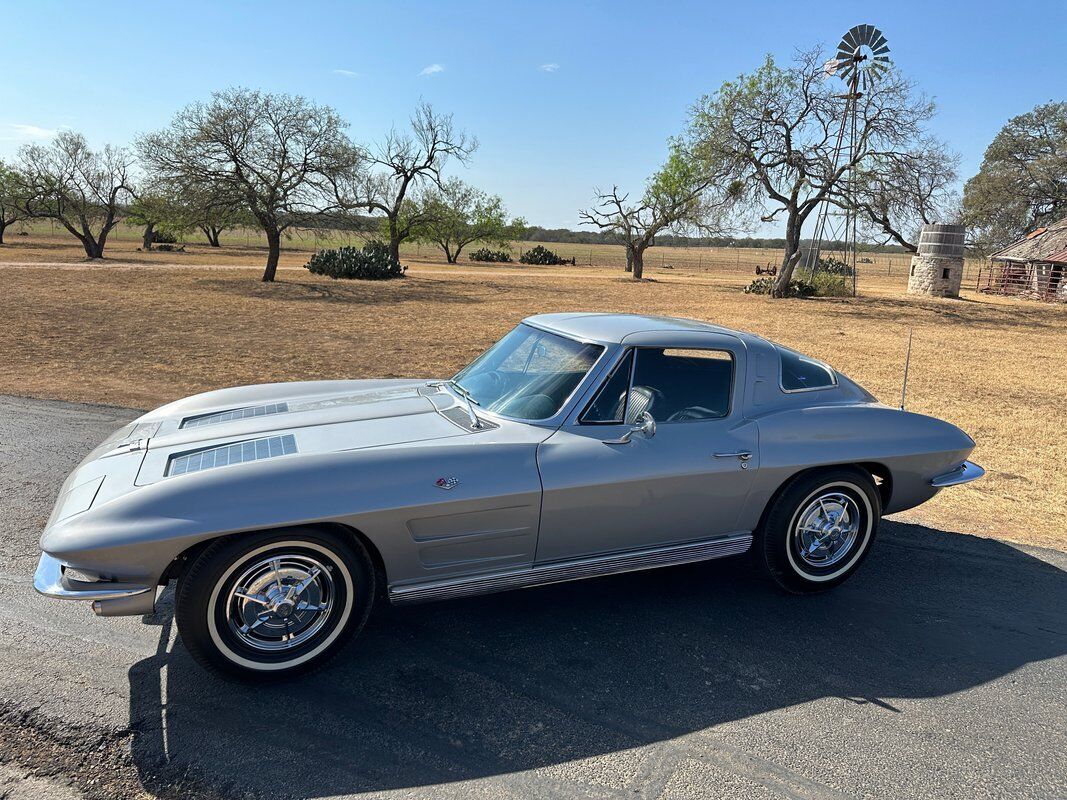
[{"x": 141, "y": 334}]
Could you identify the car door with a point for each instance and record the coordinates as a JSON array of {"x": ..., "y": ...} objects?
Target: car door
[{"x": 607, "y": 491}]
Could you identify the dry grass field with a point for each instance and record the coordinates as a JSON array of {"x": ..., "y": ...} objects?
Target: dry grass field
[{"x": 143, "y": 328}]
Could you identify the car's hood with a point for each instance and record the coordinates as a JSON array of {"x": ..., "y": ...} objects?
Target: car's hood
[{"x": 255, "y": 422}]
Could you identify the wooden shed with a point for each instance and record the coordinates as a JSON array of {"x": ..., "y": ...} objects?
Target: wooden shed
[{"x": 1034, "y": 267}]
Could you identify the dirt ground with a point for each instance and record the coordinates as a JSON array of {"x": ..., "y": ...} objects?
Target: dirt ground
[{"x": 142, "y": 329}]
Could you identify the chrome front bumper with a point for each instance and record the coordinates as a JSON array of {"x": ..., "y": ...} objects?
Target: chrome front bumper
[
  {"x": 49, "y": 581},
  {"x": 965, "y": 473}
]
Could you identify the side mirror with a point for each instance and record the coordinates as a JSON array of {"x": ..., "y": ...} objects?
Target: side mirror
[{"x": 645, "y": 425}]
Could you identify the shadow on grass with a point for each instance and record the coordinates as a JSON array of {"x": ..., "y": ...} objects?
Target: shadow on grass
[{"x": 509, "y": 683}]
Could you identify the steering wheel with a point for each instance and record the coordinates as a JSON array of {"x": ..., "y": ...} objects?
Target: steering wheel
[{"x": 692, "y": 412}]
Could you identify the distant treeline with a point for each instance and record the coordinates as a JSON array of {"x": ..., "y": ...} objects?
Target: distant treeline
[
  {"x": 535, "y": 233},
  {"x": 538, "y": 234}
]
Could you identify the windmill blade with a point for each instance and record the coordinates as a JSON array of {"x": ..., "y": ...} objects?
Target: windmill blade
[
  {"x": 878, "y": 40},
  {"x": 850, "y": 40},
  {"x": 865, "y": 34},
  {"x": 881, "y": 50}
]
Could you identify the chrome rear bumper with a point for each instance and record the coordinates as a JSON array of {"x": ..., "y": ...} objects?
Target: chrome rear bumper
[
  {"x": 965, "y": 473},
  {"x": 49, "y": 581}
]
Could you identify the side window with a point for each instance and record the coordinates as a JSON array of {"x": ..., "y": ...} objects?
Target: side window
[
  {"x": 681, "y": 385},
  {"x": 673, "y": 385},
  {"x": 800, "y": 373},
  {"x": 609, "y": 405}
]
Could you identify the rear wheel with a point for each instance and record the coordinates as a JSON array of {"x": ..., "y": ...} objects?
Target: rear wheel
[
  {"x": 819, "y": 529},
  {"x": 267, "y": 606}
]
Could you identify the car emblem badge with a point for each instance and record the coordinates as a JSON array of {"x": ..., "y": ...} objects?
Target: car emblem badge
[{"x": 447, "y": 483}]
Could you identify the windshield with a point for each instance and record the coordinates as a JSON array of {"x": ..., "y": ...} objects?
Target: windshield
[{"x": 529, "y": 374}]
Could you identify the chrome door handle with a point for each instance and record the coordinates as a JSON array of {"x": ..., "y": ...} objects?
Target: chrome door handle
[{"x": 744, "y": 455}]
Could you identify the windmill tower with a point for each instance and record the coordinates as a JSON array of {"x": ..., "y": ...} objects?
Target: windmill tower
[{"x": 862, "y": 58}]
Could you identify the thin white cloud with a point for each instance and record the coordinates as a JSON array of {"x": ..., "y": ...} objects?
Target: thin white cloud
[
  {"x": 551, "y": 67},
  {"x": 346, "y": 73},
  {"x": 433, "y": 69},
  {"x": 20, "y": 132}
]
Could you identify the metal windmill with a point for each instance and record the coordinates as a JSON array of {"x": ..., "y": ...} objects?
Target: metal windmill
[{"x": 862, "y": 58}]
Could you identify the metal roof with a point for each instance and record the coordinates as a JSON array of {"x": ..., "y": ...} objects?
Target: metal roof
[
  {"x": 1039, "y": 245},
  {"x": 1059, "y": 257}
]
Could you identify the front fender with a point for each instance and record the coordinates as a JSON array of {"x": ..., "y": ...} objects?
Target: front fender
[{"x": 489, "y": 517}]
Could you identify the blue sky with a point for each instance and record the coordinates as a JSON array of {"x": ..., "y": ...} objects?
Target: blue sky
[{"x": 563, "y": 96}]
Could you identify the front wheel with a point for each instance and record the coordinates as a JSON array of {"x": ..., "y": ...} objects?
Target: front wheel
[
  {"x": 819, "y": 529},
  {"x": 267, "y": 606}
]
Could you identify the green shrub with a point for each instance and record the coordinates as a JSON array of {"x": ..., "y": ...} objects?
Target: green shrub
[
  {"x": 795, "y": 289},
  {"x": 828, "y": 284},
  {"x": 822, "y": 285},
  {"x": 372, "y": 262},
  {"x": 485, "y": 254},
  {"x": 542, "y": 256},
  {"x": 163, "y": 237}
]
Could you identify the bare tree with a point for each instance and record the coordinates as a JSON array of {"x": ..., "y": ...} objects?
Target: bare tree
[
  {"x": 896, "y": 194},
  {"x": 404, "y": 162},
  {"x": 278, "y": 155},
  {"x": 682, "y": 197},
  {"x": 82, "y": 189},
  {"x": 778, "y": 128}
]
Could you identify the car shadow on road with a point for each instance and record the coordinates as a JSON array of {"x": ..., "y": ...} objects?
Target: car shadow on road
[{"x": 507, "y": 683}]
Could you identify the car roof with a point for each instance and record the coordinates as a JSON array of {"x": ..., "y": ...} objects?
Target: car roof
[{"x": 614, "y": 328}]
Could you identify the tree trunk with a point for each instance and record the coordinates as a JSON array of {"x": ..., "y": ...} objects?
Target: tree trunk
[
  {"x": 791, "y": 257},
  {"x": 637, "y": 263},
  {"x": 274, "y": 252},
  {"x": 148, "y": 236},
  {"x": 629, "y": 259},
  {"x": 3, "y": 225},
  {"x": 212, "y": 234},
  {"x": 93, "y": 249}
]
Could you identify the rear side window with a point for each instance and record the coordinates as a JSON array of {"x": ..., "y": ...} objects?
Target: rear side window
[{"x": 800, "y": 373}]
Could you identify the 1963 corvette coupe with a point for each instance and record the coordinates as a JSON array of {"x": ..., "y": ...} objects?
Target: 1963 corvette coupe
[{"x": 578, "y": 445}]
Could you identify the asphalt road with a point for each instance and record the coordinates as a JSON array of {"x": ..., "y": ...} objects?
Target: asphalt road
[{"x": 939, "y": 670}]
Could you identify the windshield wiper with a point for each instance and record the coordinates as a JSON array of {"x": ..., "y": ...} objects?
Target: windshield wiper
[{"x": 469, "y": 401}]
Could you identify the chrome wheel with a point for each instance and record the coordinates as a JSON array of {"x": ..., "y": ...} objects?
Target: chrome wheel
[
  {"x": 827, "y": 529},
  {"x": 280, "y": 602}
]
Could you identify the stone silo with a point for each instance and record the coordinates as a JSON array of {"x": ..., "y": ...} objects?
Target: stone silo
[{"x": 937, "y": 269}]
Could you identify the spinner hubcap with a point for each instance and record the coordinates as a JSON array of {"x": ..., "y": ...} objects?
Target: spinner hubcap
[
  {"x": 827, "y": 529},
  {"x": 280, "y": 602}
]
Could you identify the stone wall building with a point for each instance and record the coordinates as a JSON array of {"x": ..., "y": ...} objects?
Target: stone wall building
[{"x": 937, "y": 268}]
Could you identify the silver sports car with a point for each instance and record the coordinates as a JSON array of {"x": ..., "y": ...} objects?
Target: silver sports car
[{"x": 578, "y": 445}]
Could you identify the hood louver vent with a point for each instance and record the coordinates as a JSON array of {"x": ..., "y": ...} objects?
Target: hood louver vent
[
  {"x": 228, "y": 454},
  {"x": 233, "y": 415}
]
